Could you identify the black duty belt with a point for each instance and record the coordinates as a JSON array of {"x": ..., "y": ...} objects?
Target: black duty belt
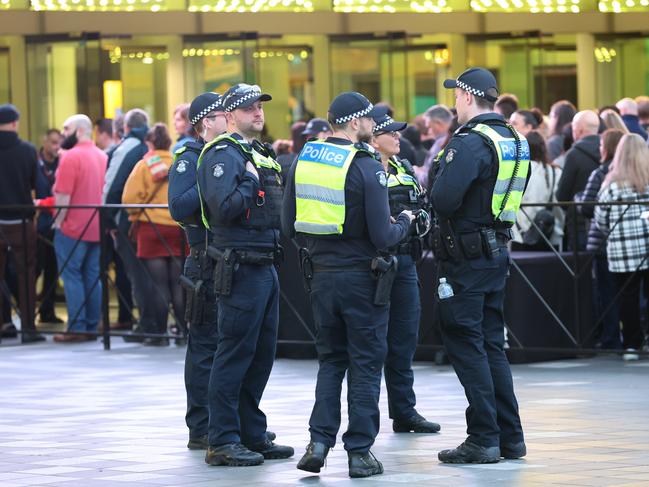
[
  {"x": 197, "y": 251},
  {"x": 255, "y": 258},
  {"x": 366, "y": 267}
]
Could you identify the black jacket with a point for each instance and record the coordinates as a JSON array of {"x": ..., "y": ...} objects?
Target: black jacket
[
  {"x": 18, "y": 165},
  {"x": 581, "y": 160}
]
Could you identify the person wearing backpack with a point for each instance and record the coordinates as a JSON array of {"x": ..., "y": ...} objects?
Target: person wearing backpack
[{"x": 533, "y": 223}]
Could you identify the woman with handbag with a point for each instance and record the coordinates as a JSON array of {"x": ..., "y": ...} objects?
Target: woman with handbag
[
  {"x": 548, "y": 220},
  {"x": 160, "y": 242}
]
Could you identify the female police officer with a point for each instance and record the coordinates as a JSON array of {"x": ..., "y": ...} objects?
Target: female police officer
[{"x": 404, "y": 193}]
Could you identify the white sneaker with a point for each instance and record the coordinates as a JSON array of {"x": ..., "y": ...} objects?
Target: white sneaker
[{"x": 630, "y": 354}]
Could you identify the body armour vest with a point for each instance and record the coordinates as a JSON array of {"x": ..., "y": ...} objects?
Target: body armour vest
[
  {"x": 404, "y": 191},
  {"x": 513, "y": 168},
  {"x": 320, "y": 176},
  {"x": 265, "y": 211}
]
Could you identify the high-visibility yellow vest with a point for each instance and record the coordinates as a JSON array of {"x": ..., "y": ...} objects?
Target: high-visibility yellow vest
[
  {"x": 320, "y": 175},
  {"x": 506, "y": 200},
  {"x": 404, "y": 191}
]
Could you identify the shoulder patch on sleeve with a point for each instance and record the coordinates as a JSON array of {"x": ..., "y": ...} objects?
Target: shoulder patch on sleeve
[
  {"x": 382, "y": 178},
  {"x": 450, "y": 154},
  {"x": 181, "y": 166},
  {"x": 218, "y": 170}
]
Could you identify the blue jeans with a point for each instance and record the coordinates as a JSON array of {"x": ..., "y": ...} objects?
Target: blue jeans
[{"x": 78, "y": 263}]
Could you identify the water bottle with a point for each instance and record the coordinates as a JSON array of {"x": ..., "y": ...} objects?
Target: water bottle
[{"x": 444, "y": 290}]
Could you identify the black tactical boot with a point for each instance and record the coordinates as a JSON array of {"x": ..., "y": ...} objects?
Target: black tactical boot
[
  {"x": 314, "y": 458},
  {"x": 363, "y": 465},
  {"x": 198, "y": 443},
  {"x": 233, "y": 455},
  {"x": 270, "y": 435},
  {"x": 271, "y": 451},
  {"x": 470, "y": 453},
  {"x": 512, "y": 451},
  {"x": 416, "y": 423}
]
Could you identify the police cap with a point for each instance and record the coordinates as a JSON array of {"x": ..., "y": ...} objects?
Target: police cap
[
  {"x": 202, "y": 105},
  {"x": 8, "y": 113},
  {"x": 476, "y": 81},
  {"x": 350, "y": 105},
  {"x": 243, "y": 95},
  {"x": 385, "y": 123},
  {"x": 315, "y": 126}
]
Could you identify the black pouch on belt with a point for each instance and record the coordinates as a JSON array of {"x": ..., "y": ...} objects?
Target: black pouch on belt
[
  {"x": 223, "y": 269},
  {"x": 471, "y": 245},
  {"x": 195, "y": 300},
  {"x": 384, "y": 270}
]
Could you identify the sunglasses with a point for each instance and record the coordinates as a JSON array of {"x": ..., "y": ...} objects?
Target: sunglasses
[{"x": 392, "y": 134}]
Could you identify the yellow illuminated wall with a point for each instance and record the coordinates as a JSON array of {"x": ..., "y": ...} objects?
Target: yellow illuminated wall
[{"x": 113, "y": 99}]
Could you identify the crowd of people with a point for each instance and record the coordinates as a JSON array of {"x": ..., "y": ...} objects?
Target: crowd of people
[
  {"x": 583, "y": 157},
  {"x": 357, "y": 191}
]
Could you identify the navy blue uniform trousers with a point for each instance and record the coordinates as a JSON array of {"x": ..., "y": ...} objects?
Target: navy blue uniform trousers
[
  {"x": 247, "y": 331},
  {"x": 472, "y": 329},
  {"x": 403, "y": 331},
  {"x": 351, "y": 338},
  {"x": 201, "y": 346}
]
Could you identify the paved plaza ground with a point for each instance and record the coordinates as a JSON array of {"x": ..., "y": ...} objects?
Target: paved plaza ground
[{"x": 76, "y": 415}]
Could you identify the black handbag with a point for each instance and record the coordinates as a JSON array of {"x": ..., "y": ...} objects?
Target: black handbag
[{"x": 543, "y": 223}]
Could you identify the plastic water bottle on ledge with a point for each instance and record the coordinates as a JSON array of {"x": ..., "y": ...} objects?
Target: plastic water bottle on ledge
[{"x": 444, "y": 290}]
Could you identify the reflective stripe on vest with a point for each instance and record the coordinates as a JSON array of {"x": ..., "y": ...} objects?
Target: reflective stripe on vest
[
  {"x": 506, "y": 151},
  {"x": 402, "y": 177},
  {"x": 320, "y": 176}
]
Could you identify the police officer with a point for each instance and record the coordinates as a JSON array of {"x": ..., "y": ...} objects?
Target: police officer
[
  {"x": 241, "y": 196},
  {"x": 478, "y": 188},
  {"x": 336, "y": 197},
  {"x": 404, "y": 193},
  {"x": 207, "y": 117}
]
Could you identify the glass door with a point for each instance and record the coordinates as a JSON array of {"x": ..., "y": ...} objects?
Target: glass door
[
  {"x": 63, "y": 79},
  {"x": 5, "y": 76},
  {"x": 133, "y": 76}
]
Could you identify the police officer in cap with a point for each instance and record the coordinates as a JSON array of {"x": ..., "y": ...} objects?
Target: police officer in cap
[
  {"x": 336, "y": 198},
  {"x": 317, "y": 128},
  {"x": 477, "y": 191},
  {"x": 207, "y": 117},
  {"x": 404, "y": 193},
  {"x": 241, "y": 196}
]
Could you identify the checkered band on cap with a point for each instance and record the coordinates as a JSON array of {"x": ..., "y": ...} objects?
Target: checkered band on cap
[
  {"x": 205, "y": 111},
  {"x": 380, "y": 126},
  {"x": 352, "y": 116},
  {"x": 470, "y": 89},
  {"x": 235, "y": 103}
]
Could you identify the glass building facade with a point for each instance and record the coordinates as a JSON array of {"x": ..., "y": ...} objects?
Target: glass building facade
[{"x": 102, "y": 57}]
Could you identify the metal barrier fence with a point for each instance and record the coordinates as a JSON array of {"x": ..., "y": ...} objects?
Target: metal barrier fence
[
  {"x": 580, "y": 263},
  {"x": 110, "y": 234}
]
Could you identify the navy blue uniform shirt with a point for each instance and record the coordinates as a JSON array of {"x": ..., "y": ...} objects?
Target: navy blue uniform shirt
[
  {"x": 184, "y": 200},
  {"x": 466, "y": 177},
  {"x": 228, "y": 191},
  {"x": 367, "y": 212}
]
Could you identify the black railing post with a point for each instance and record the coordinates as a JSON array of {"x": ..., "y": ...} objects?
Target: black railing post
[
  {"x": 103, "y": 276},
  {"x": 25, "y": 312},
  {"x": 576, "y": 275}
]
